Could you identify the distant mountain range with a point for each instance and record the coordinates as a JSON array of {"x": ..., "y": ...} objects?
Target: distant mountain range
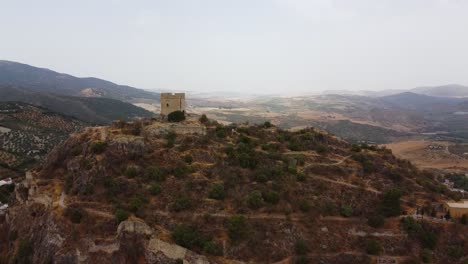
[
  {"x": 92, "y": 100},
  {"x": 450, "y": 90},
  {"x": 44, "y": 80}
]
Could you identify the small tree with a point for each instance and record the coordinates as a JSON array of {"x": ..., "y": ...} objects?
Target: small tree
[
  {"x": 98, "y": 147},
  {"x": 176, "y": 116},
  {"x": 376, "y": 221},
  {"x": 203, "y": 119},
  {"x": 390, "y": 204},
  {"x": 121, "y": 215},
  {"x": 255, "y": 200},
  {"x": 217, "y": 192},
  {"x": 373, "y": 247},
  {"x": 464, "y": 219},
  {"x": 237, "y": 227}
]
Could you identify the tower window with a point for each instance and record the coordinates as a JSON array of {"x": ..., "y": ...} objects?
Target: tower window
[{"x": 167, "y": 105}]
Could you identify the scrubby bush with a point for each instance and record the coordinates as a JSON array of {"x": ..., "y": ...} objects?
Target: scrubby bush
[
  {"x": 188, "y": 159},
  {"x": 376, "y": 221},
  {"x": 121, "y": 215},
  {"x": 267, "y": 124},
  {"x": 390, "y": 203},
  {"x": 176, "y": 116},
  {"x": 213, "y": 248},
  {"x": 464, "y": 219},
  {"x": 301, "y": 177},
  {"x": 237, "y": 227},
  {"x": 255, "y": 200},
  {"x": 300, "y": 247},
  {"x": 74, "y": 213},
  {"x": 155, "y": 189},
  {"x": 186, "y": 236},
  {"x": 220, "y": 132},
  {"x": 304, "y": 206},
  {"x": 426, "y": 255},
  {"x": 180, "y": 204},
  {"x": 203, "y": 119},
  {"x": 136, "y": 203},
  {"x": 98, "y": 147},
  {"x": 24, "y": 253},
  {"x": 170, "y": 138},
  {"x": 373, "y": 247},
  {"x": 154, "y": 173},
  {"x": 346, "y": 210},
  {"x": 131, "y": 172},
  {"x": 271, "y": 197},
  {"x": 217, "y": 192}
]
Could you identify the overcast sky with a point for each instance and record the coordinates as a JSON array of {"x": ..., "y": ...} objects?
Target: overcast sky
[{"x": 243, "y": 45}]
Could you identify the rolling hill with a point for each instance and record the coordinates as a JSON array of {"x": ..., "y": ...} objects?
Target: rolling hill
[
  {"x": 89, "y": 109},
  {"x": 450, "y": 90},
  {"x": 45, "y": 80}
]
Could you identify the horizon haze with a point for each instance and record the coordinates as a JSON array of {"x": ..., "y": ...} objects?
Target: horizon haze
[{"x": 275, "y": 46}]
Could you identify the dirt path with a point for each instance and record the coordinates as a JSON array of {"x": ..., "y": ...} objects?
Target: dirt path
[
  {"x": 339, "y": 162},
  {"x": 369, "y": 189}
]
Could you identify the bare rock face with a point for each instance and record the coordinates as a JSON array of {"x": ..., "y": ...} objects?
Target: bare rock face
[
  {"x": 156, "y": 250},
  {"x": 130, "y": 146}
]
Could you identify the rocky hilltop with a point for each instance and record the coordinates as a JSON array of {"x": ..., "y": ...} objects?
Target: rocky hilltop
[{"x": 152, "y": 192}]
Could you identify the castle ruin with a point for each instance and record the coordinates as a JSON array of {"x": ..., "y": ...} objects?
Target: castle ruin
[{"x": 171, "y": 102}]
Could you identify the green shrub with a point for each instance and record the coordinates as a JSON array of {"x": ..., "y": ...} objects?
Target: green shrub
[
  {"x": 355, "y": 148},
  {"x": 98, "y": 147},
  {"x": 271, "y": 197},
  {"x": 373, "y": 247},
  {"x": 455, "y": 251},
  {"x": 136, "y": 203},
  {"x": 180, "y": 204},
  {"x": 203, "y": 119},
  {"x": 220, "y": 131},
  {"x": 301, "y": 177},
  {"x": 188, "y": 159},
  {"x": 170, "y": 137},
  {"x": 426, "y": 255},
  {"x": 301, "y": 260},
  {"x": 213, "y": 248},
  {"x": 390, "y": 203},
  {"x": 346, "y": 210},
  {"x": 464, "y": 219},
  {"x": 304, "y": 206},
  {"x": 74, "y": 213},
  {"x": 255, "y": 200},
  {"x": 428, "y": 239},
  {"x": 410, "y": 225},
  {"x": 155, "y": 174},
  {"x": 176, "y": 116},
  {"x": 24, "y": 253},
  {"x": 376, "y": 221},
  {"x": 267, "y": 124},
  {"x": 131, "y": 172},
  {"x": 217, "y": 192},
  {"x": 237, "y": 227},
  {"x": 300, "y": 247},
  {"x": 187, "y": 236},
  {"x": 155, "y": 189},
  {"x": 121, "y": 215},
  {"x": 321, "y": 149}
]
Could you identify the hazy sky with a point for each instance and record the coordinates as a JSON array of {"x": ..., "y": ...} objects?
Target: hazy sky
[{"x": 243, "y": 45}]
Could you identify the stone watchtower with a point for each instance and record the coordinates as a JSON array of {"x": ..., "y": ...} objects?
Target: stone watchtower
[{"x": 171, "y": 102}]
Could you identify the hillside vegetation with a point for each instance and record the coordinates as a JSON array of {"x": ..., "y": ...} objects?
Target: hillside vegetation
[
  {"x": 28, "y": 133},
  {"x": 256, "y": 194}
]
